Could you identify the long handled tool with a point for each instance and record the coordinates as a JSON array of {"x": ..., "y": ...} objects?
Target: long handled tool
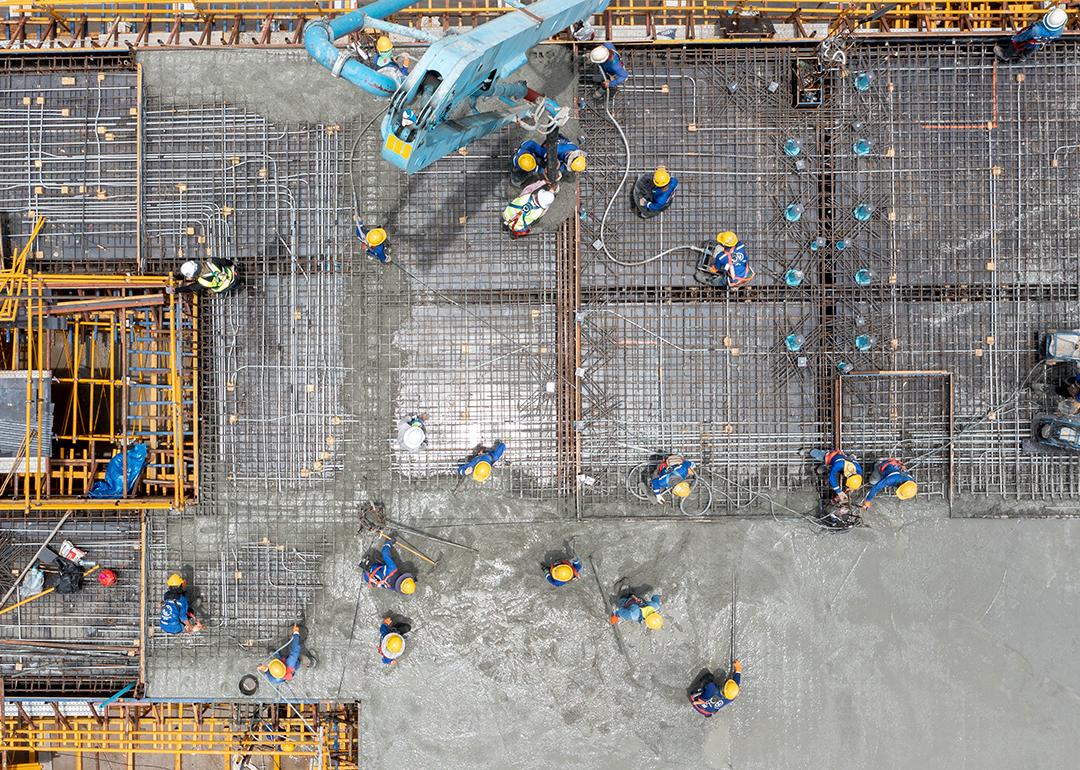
[
  {"x": 37, "y": 553},
  {"x": 436, "y": 538},
  {"x": 406, "y": 547},
  {"x": 604, "y": 602},
  {"x": 734, "y": 590},
  {"x": 46, "y": 592}
]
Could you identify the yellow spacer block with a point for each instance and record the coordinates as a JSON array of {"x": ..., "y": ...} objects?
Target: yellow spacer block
[
  {"x": 39, "y": 100},
  {"x": 64, "y": 189},
  {"x": 978, "y": 352},
  {"x": 133, "y": 111},
  {"x": 991, "y": 266},
  {"x": 990, "y": 341},
  {"x": 39, "y": 191},
  {"x": 26, "y": 101},
  {"x": 101, "y": 130},
  {"x": 65, "y": 112},
  {"x": 262, "y": 173},
  {"x": 189, "y": 230},
  {"x": 691, "y": 127},
  {"x": 235, "y": 160},
  {"x": 109, "y": 137},
  {"x": 67, "y": 81},
  {"x": 226, "y": 211},
  {"x": 181, "y": 187},
  {"x": 37, "y": 163},
  {"x": 101, "y": 194},
  {"x": 101, "y": 77}
]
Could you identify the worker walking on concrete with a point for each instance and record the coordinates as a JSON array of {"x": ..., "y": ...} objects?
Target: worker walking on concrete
[
  {"x": 176, "y": 614},
  {"x": 525, "y": 210},
  {"x": 562, "y": 572},
  {"x": 530, "y": 160},
  {"x": 888, "y": 474},
  {"x": 612, "y": 72},
  {"x": 725, "y": 263},
  {"x": 673, "y": 473},
  {"x": 845, "y": 474},
  {"x": 214, "y": 275},
  {"x": 279, "y": 669},
  {"x": 631, "y": 607},
  {"x": 710, "y": 696},
  {"x": 386, "y": 63},
  {"x": 653, "y": 192},
  {"x": 1025, "y": 43},
  {"x": 374, "y": 239},
  {"x": 392, "y": 640},
  {"x": 412, "y": 433},
  {"x": 386, "y": 573},
  {"x": 482, "y": 461}
]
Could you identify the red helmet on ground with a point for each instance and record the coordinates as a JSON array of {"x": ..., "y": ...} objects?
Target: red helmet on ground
[{"x": 106, "y": 577}]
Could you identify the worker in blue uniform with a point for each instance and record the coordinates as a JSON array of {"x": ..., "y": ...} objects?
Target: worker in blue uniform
[
  {"x": 480, "y": 464},
  {"x": 530, "y": 160},
  {"x": 653, "y": 192},
  {"x": 845, "y": 474},
  {"x": 613, "y": 73},
  {"x": 563, "y": 572},
  {"x": 673, "y": 473},
  {"x": 387, "y": 63},
  {"x": 279, "y": 670},
  {"x": 386, "y": 573},
  {"x": 176, "y": 615},
  {"x": 888, "y": 474},
  {"x": 631, "y": 607},
  {"x": 392, "y": 640},
  {"x": 725, "y": 263},
  {"x": 374, "y": 239},
  {"x": 710, "y": 697},
  {"x": 1031, "y": 38}
]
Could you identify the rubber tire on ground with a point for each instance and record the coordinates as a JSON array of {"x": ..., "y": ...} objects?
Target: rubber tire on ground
[{"x": 249, "y": 684}]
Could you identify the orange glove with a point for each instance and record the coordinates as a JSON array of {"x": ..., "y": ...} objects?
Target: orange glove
[
  {"x": 614, "y": 619},
  {"x": 296, "y": 629},
  {"x": 737, "y": 666},
  {"x": 865, "y": 506}
]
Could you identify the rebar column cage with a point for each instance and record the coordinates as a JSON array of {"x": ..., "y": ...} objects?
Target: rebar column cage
[
  {"x": 322, "y": 735},
  {"x": 105, "y": 362}
]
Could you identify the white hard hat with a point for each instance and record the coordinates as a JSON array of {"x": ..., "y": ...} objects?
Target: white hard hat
[
  {"x": 600, "y": 54},
  {"x": 1056, "y": 18},
  {"x": 545, "y": 198},
  {"x": 412, "y": 438},
  {"x": 189, "y": 269}
]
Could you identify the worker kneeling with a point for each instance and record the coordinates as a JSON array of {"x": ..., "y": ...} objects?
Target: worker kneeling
[
  {"x": 530, "y": 160},
  {"x": 482, "y": 461},
  {"x": 673, "y": 473},
  {"x": 525, "y": 210},
  {"x": 176, "y": 614},
  {"x": 652, "y": 193},
  {"x": 844, "y": 473},
  {"x": 392, "y": 640},
  {"x": 214, "y": 275},
  {"x": 633, "y": 608},
  {"x": 563, "y": 572},
  {"x": 710, "y": 696},
  {"x": 888, "y": 474},
  {"x": 278, "y": 670},
  {"x": 725, "y": 263},
  {"x": 386, "y": 573}
]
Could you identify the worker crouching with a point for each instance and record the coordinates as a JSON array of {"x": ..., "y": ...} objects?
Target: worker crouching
[
  {"x": 1026, "y": 43},
  {"x": 612, "y": 72},
  {"x": 710, "y": 696},
  {"x": 525, "y": 210},
  {"x": 176, "y": 614},
  {"x": 563, "y": 572},
  {"x": 672, "y": 474},
  {"x": 530, "y": 160},
  {"x": 216, "y": 276},
  {"x": 652, "y": 193},
  {"x": 480, "y": 465},
  {"x": 725, "y": 263},
  {"x": 387, "y": 574},
  {"x": 375, "y": 240},
  {"x": 844, "y": 473},
  {"x": 633, "y": 608},
  {"x": 392, "y": 640},
  {"x": 279, "y": 669},
  {"x": 891, "y": 473}
]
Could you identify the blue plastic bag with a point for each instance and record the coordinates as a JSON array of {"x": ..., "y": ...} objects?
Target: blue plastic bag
[{"x": 112, "y": 486}]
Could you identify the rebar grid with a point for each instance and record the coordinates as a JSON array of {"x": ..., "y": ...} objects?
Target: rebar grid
[
  {"x": 87, "y": 641},
  {"x": 69, "y": 155}
]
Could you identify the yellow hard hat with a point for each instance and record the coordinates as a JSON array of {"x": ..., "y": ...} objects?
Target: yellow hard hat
[
  {"x": 408, "y": 586},
  {"x": 288, "y": 747},
  {"x": 682, "y": 489},
  {"x": 661, "y": 177},
  {"x": 853, "y": 482},
  {"x": 577, "y": 162},
  {"x": 655, "y": 621},
  {"x": 375, "y": 237},
  {"x": 482, "y": 471},
  {"x": 527, "y": 162},
  {"x": 394, "y": 643},
  {"x": 727, "y": 239},
  {"x": 384, "y": 44},
  {"x": 907, "y": 490},
  {"x": 175, "y": 580},
  {"x": 731, "y": 690},
  {"x": 563, "y": 572},
  {"x": 277, "y": 669}
]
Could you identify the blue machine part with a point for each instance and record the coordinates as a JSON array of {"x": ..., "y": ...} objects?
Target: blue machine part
[
  {"x": 435, "y": 112},
  {"x": 1058, "y": 432},
  {"x": 1062, "y": 345}
]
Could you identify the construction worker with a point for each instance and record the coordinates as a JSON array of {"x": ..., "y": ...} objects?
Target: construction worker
[
  {"x": 531, "y": 159},
  {"x": 215, "y": 275},
  {"x": 562, "y": 572},
  {"x": 1031, "y": 38},
  {"x": 725, "y": 263},
  {"x": 480, "y": 464},
  {"x": 710, "y": 697},
  {"x": 613, "y": 74},
  {"x": 386, "y": 63},
  {"x": 386, "y": 574},
  {"x": 633, "y": 607},
  {"x": 653, "y": 193},
  {"x": 841, "y": 468},
  {"x": 392, "y": 640},
  {"x": 672, "y": 473},
  {"x": 523, "y": 211},
  {"x": 278, "y": 670},
  {"x": 888, "y": 474},
  {"x": 411, "y": 433},
  {"x": 176, "y": 615},
  {"x": 374, "y": 239}
]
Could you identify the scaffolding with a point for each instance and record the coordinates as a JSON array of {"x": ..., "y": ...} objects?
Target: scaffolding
[{"x": 321, "y": 736}]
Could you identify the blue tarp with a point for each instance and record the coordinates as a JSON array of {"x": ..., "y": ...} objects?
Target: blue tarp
[{"x": 114, "y": 472}]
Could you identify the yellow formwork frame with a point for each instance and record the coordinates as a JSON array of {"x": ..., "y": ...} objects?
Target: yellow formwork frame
[
  {"x": 98, "y": 306},
  {"x": 908, "y": 14},
  {"x": 324, "y": 735}
]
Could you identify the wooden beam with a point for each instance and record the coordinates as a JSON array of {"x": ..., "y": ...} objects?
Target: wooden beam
[
  {"x": 60, "y": 715},
  {"x": 174, "y": 33}
]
